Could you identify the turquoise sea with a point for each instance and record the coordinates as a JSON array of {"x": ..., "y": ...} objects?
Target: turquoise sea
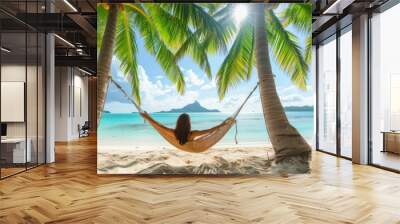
[{"x": 130, "y": 129}]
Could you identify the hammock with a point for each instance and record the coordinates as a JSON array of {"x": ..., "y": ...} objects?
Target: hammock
[{"x": 200, "y": 140}]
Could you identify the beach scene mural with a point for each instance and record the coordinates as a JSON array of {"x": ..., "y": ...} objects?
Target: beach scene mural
[{"x": 209, "y": 89}]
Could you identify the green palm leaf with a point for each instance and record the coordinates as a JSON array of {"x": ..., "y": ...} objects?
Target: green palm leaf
[
  {"x": 239, "y": 62},
  {"x": 102, "y": 14},
  {"x": 211, "y": 7},
  {"x": 199, "y": 19},
  {"x": 171, "y": 29},
  {"x": 136, "y": 8},
  {"x": 197, "y": 51},
  {"x": 298, "y": 15},
  {"x": 286, "y": 50},
  {"x": 168, "y": 24},
  {"x": 159, "y": 49},
  {"x": 308, "y": 50},
  {"x": 126, "y": 49}
]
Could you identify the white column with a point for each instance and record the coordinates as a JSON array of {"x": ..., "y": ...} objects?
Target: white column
[
  {"x": 50, "y": 99},
  {"x": 314, "y": 87},
  {"x": 360, "y": 90},
  {"x": 62, "y": 103}
]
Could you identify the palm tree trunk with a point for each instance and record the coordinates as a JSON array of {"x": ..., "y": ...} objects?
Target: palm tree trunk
[
  {"x": 285, "y": 139},
  {"x": 105, "y": 58}
]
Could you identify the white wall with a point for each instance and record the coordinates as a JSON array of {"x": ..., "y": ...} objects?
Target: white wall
[
  {"x": 80, "y": 103},
  {"x": 14, "y": 73},
  {"x": 71, "y": 87},
  {"x": 61, "y": 103},
  {"x": 12, "y": 100},
  {"x": 33, "y": 126}
]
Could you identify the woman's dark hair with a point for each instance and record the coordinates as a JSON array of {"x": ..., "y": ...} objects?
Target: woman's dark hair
[{"x": 182, "y": 129}]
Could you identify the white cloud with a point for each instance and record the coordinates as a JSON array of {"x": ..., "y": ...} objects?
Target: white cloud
[
  {"x": 287, "y": 90},
  {"x": 211, "y": 103},
  {"x": 293, "y": 96},
  {"x": 208, "y": 86},
  {"x": 192, "y": 79},
  {"x": 169, "y": 101},
  {"x": 231, "y": 103},
  {"x": 120, "y": 76},
  {"x": 148, "y": 87},
  {"x": 118, "y": 107},
  {"x": 157, "y": 96},
  {"x": 297, "y": 100},
  {"x": 116, "y": 71}
]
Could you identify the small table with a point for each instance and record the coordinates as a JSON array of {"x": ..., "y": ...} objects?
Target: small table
[
  {"x": 16, "y": 153},
  {"x": 391, "y": 141}
]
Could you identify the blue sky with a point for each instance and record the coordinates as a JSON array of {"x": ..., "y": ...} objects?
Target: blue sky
[{"x": 158, "y": 93}]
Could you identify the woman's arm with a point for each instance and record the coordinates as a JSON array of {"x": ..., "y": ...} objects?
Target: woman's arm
[{"x": 196, "y": 133}]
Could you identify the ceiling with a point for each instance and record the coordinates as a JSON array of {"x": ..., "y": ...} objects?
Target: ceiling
[
  {"x": 331, "y": 15},
  {"x": 73, "y": 21}
]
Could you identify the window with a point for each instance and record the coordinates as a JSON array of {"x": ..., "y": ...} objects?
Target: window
[
  {"x": 346, "y": 93},
  {"x": 385, "y": 89},
  {"x": 327, "y": 96},
  {"x": 22, "y": 76}
]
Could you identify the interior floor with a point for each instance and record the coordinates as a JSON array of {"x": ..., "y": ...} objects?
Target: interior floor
[
  {"x": 12, "y": 169},
  {"x": 5, "y": 172},
  {"x": 387, "y": 159},
  {"x": 70, "y": 191}
]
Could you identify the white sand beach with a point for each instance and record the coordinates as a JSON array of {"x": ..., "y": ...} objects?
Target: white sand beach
[{"x": 220, "y": 160}]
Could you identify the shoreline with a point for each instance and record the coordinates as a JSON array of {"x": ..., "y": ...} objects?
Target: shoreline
[{"x": 114, "y": 148}]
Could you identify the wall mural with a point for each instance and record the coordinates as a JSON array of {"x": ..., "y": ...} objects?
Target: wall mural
[{"x": 193, "y": 88}]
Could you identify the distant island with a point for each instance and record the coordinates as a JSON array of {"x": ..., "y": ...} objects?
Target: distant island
[
  {"x": 194, "y": 107},
  {"x": 106, "y": 112},
  {"x": 299, "y": 108}
]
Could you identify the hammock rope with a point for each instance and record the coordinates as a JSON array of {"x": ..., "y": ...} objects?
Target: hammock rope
[
  {"x": 204, "y": 140},
  {"x": 236, "y": 133},
  {"x": 140, "y": 110},
  {"x": 244, "y": 102}
]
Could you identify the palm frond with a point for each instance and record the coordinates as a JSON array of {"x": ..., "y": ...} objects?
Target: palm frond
[
  {"x": 239, "y": 62},
  {"x": 197, "y": 51},
  {"x": 164, "y": 56},
  {"x": 171, "y": 29},
  {"x": 286, "y": 50},
  {"x": 102, "y": 14},
  {"x": 126, "y": 49},
  {"x": 211, "y": 7},
  {"x": 199, "y": 19},
  {"x": 137, "y": 8},
  {"x": 308, "y": 49},
  {"x": 299, "y": 15},
  {"x": 224, "y": 17}
]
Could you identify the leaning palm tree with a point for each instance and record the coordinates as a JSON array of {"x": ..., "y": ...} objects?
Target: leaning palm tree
[
  {"x": 116, "y": 23},
  {"x": 190, "y": 31},
  {"x": 261, "y": 31},
  {"x": 171, "y": 31}
]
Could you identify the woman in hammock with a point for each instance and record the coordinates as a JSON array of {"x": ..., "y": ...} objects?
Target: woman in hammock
[
  {"x": 182, "y": 132},
  {"x": 182, "y": 137}
]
